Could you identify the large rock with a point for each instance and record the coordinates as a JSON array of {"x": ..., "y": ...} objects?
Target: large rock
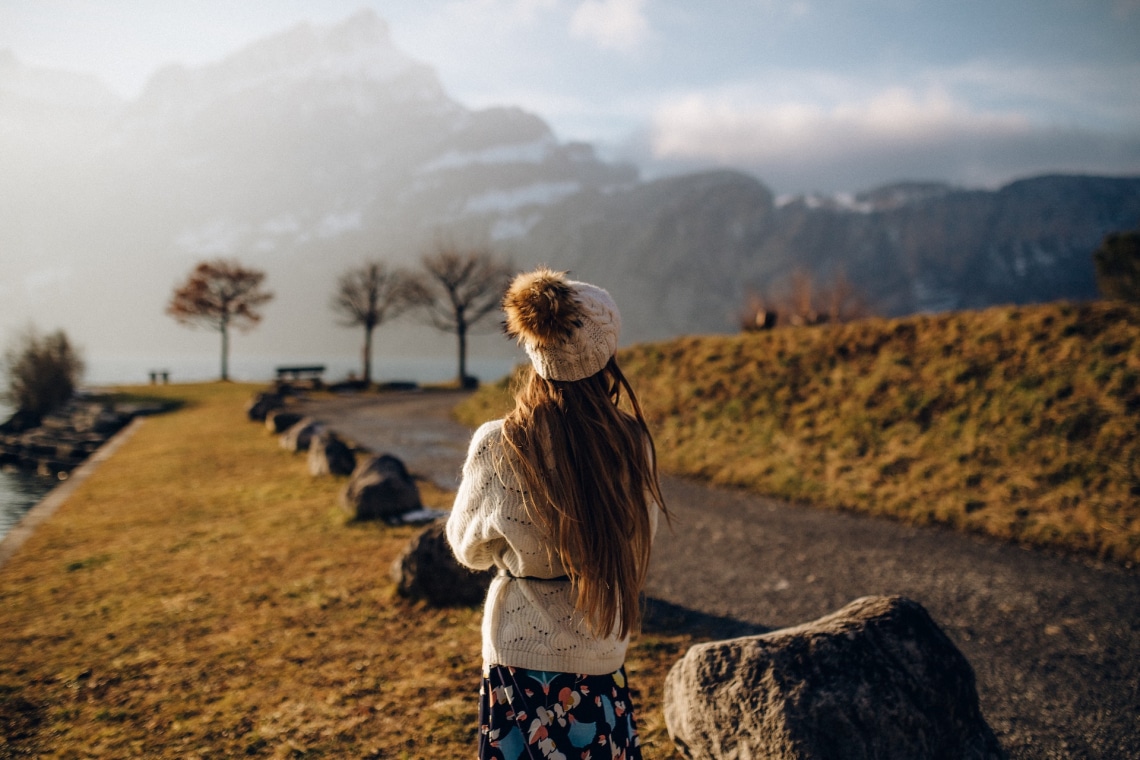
[
  {"x": 329, "y": 455},
  {"x": 877, "y": 679},
  {"x": 63, "y": 439},
  {"x": 427, "y": 570},
  {"x": 380, "y": 489},
  {"x": 277, "y": 421},
  {"x": 298, "y": 437},
  {"x": 263, "y": 403}
]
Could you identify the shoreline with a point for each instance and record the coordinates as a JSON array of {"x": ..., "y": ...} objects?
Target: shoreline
[
  {"x": 55, "y": 498},
  {"x": 20, "y": 492}
]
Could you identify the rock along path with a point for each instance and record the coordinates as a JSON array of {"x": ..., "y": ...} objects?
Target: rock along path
[{"x": 1054, "y": 641}]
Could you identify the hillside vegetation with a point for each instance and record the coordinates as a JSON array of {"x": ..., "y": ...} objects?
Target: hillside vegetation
[{"x": 1018, "y": 422}]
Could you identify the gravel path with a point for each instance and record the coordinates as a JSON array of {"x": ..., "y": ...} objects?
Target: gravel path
[{"x": 1054, "y": 641}]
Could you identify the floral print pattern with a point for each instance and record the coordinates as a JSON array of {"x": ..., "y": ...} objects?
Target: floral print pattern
[{"x": 536, "y": 714}]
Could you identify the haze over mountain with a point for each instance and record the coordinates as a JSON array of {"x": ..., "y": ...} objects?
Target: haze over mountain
[{"x": 315, "y": 149}]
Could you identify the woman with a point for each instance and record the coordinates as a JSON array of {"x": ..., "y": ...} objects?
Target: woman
[{"x": 562, "y": 497}]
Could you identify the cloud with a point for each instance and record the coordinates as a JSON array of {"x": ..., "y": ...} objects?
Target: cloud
[
  {"x": 1124, "y": 9},
  {"x": 472, "y": 24},
  {"x": 824, "y": 141},
  {"x": 514, "y": 12},
  {"x": 522, "y": 11},
  {"x": 726, "y": 128},
  {"x": 48, "y": 282},
  {"x": 1090, "y": 94},
  {"x": 619, "y": 25},
  {"x": 792, "y": 9}
]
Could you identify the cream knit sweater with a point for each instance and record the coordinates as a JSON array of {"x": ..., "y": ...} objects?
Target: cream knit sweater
[{"x": 526, "y": 623}]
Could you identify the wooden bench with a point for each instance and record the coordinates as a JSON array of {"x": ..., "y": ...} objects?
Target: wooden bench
[{"x": 308, "y": 372}]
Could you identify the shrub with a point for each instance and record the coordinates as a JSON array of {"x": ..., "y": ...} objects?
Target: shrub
[
  {"x": 1117, "y": 263},
  {"x": 43, "y": 372}
]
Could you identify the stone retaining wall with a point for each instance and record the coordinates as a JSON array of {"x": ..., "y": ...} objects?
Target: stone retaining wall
[{"x": 65, "y": 438}]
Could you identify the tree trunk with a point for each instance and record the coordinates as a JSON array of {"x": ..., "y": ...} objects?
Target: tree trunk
[
  {"x": 367, "y": 356},
  {"x": 225, "y": 352},
  {"x": 461, "y": 332}
]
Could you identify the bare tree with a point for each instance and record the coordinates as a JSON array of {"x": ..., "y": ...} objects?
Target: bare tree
[
  {"x": 843, "y": 301},
  {"x": 366, "y": 296},
  {"x": 801, "y": 299},
  {"x": 217, "y": 295},
  {"x": 1117, "y": 264},
  {"x": 757, "y": 313},
  {"x": 457, "y": 288}
]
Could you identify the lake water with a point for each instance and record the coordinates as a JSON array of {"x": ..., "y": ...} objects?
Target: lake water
[
  {"x": 189, "y": 369},
  {"x": 20, "y": 491}
]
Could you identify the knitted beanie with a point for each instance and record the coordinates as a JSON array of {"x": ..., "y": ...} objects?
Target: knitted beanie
[{"x": 569, "y": 329}]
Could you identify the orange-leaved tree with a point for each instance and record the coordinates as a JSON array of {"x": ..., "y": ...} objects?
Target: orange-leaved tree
[{"x": 218, "y": 295}]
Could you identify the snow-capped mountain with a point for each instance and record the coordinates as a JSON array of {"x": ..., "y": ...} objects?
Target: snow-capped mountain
[
  {"x": 321, "y": 147},
  {"x": 306, "y": 153},
  {"x": 684, "y": 253},
  {"x": 320, "y": 132}
]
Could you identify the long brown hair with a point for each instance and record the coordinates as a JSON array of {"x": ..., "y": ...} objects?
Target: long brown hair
[{"x": 588, "y": 467}]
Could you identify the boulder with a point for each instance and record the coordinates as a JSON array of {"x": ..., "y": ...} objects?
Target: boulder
[
  {"x": 277, "y": 421},
  {"x": 263, "y": 403},
  {"x": 329, "y": 455},
  {"x": 380, "y": 489},
  {"x": 427, "y": 570},
  {"x": 298, "y": 437},
  {"x": 19, "y": 422},
  {"x": 877, "y": 679},
  {"x": 107, "y": 423},
  {"x": 64, "y": 438}
]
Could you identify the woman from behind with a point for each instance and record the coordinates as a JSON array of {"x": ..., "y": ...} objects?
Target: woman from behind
[{"x": 562, "y": 497}]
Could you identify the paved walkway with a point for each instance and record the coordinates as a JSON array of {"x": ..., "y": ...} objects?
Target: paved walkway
[
  {"x": 413, "y": 426},
  {"x": 1055, "y": 642}
]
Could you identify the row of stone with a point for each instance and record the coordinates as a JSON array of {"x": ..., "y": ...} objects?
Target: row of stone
[
  {"x": 63, "y": 439},
  {"x": 379, "y": 487},
  {"x": 877, "y": 679}
]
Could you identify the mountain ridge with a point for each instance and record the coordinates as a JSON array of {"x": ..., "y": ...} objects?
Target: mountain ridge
[{"x": 312, "y": 150}]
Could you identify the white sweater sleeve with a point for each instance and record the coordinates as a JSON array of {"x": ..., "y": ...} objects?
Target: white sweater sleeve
[{"x": 470, "y": 529}]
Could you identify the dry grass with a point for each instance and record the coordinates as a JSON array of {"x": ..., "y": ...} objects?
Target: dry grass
[
  {"x": 1021, "y": 423},
  {"x": 202, "y": 596}
]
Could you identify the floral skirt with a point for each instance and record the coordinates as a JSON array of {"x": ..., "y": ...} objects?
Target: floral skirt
[{"x": 532, "y": 714}]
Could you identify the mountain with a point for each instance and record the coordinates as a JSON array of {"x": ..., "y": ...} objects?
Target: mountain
[
  {"x": 44, "y": 109},
  {"x": 302, "y": 154},
  {"x": 315, "y": 149},
  {"x": 685, "y": 252}
]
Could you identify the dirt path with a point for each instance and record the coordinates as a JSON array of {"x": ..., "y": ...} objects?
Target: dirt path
[
  {"x": 414, "y": 426},
  {"x": 1055, "y": 642}
]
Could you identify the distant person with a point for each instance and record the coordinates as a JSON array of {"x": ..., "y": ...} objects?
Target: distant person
[{"x": 562, "y": 497}]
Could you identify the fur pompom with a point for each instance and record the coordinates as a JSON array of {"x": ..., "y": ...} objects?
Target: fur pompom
[{"x": 541, "y": 308}]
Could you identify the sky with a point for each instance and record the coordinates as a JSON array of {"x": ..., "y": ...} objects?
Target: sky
[{"x": 809, "y": 95}]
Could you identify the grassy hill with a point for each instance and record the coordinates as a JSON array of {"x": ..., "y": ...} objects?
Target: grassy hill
[{"x": 1018, "y": 422}]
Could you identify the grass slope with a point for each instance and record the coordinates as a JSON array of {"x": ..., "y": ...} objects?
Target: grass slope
[
  {"x": 202, "y": 596},
  {"x": 1018, "y": 422}
]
